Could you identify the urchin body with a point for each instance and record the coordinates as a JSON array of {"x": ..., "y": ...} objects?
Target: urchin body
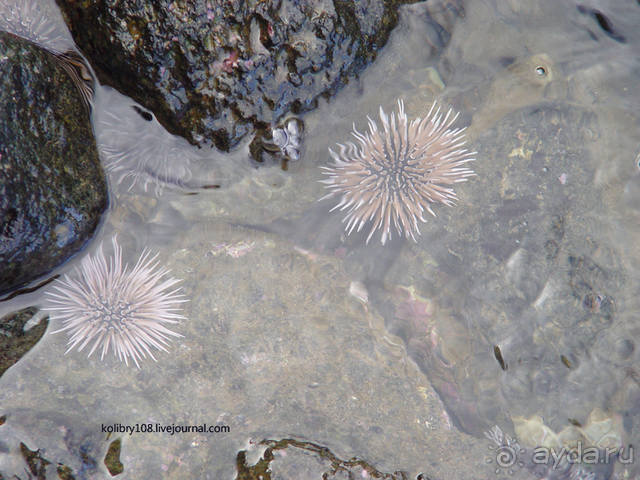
[
  {"x": 111, "y": 306},
  {"x": 392, "y": 176}
]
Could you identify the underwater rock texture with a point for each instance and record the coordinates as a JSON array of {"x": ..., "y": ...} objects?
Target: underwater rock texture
[
  {"x": 275, "y": 348},
  {"x": 540, "y": 283},
  {"x": 52, "y": 187},
  {"x": 14, "y": 340},
  {"x": 211, "y": 71},
  {"x": 290, "y": 458}
]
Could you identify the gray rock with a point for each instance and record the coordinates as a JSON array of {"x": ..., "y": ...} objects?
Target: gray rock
[
  {"x": 539, "y": 282},
  {"x": 52, "y": 187}
]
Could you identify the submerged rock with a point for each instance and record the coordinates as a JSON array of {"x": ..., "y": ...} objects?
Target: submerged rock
[
  {"x": 291, "y": 458},
  {"x": 40, "y": 463},
  {"x": 52, "y": 187},
  {"x": 15, "y": 341},
  {"x": 515, "y": 312},
  {"x": 214, "y": 70}
]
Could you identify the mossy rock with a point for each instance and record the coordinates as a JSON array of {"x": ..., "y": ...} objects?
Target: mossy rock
[{"x": 52, "y": 187}]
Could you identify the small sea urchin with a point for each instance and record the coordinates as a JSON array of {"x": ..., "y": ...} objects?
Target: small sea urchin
[
  {"x": 114, "y": 307},
  {"x": 391, "y": 177}
]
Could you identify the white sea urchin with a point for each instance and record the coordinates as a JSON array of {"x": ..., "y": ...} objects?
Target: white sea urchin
[
  {"x": 126, "y": 310},
  {"x": 391, "y": 177}
]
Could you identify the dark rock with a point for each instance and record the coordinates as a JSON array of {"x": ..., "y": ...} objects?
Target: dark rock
[
  {"x": 214, "y": 70},
  {"x": 112, "y": 459},
  {"x": 14, "y": 340},
  {"x": 36, "y": 463},
  {"x": 37, "y": 466},
  {"x": 291, "y": 458},
  {"x": 52, "y": 187}
]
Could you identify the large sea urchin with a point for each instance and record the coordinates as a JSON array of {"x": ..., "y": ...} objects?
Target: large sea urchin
[
  {"x": 112, "y": 306},
  {"x": 391, "y": 177}
]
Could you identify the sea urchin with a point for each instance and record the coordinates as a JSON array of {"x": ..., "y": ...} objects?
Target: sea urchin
[
  {"x": 391, "y": 177},
  {"x": 112, "y": 306}
]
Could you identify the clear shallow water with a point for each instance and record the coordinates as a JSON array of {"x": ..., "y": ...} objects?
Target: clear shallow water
[{"x": 387, "y": 353}]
